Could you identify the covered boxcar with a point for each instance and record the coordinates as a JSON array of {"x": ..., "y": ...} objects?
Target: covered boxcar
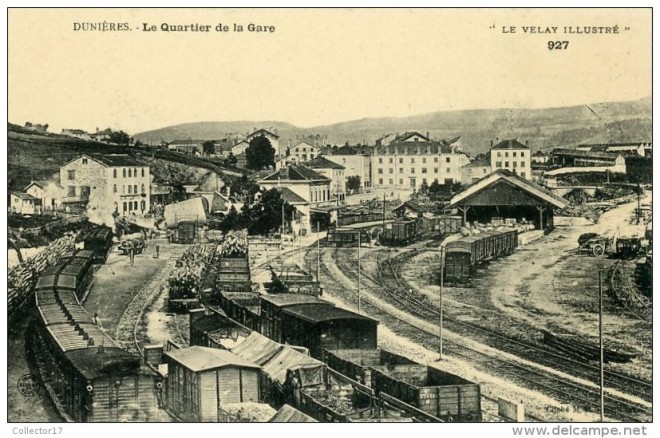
[
  {"x": 99, "y": 241},
  {"x": 465, "y": 254},
  {"x": 242, "y": 307},
  {"x": 186, "y": 232},
  {"x": 326, "y": 327},
  {"x": 440, "y": 225},
  {"x": 272, "y": 307},
  {"x": 399, "y": 233}
]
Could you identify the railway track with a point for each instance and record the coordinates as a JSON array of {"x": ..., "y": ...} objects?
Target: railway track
[
  {"x": 628, "y": 296},
  {"x": 531, "y": 377}
]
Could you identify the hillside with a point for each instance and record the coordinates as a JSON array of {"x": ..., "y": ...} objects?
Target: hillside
[
  {"x": 544, "y": 128},
  {"x": 33, "y": 155}
]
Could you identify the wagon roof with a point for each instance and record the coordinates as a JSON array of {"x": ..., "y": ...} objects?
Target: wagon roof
[
  {"x": 284, "y": 300},
  {"x": 204, "y": 358},
  {"x": 97, "y": 362},
  {"x": 289, "y": 414},
  {"x": 257, "y": 348},
  {"x": 288, "y": 359},
  {"x": 315, "y": 313}
]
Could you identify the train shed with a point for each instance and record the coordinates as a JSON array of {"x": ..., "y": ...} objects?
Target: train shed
[{"x": 504, "y": 195}]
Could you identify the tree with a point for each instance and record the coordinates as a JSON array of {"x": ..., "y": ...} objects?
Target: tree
[
  {"x": 353, "y": 183},
  {"x": 119, "y": 137},
  {"x": 208, "y": 147},
  {"x": 260, "y": 153},
  {"x": 435, "y": 188},
  {"x": 265, "y": 216},
  {"x": 424, "y": 188},
  {"x": 231, "y": 160},
  {"x": 232, "y": 220}
]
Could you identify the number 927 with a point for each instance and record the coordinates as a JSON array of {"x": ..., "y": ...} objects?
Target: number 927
[{"x": 557, "y": 45}]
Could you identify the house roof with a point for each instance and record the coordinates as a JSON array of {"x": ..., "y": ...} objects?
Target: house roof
[
  {"x": 406, "y": 135},
  {"x": 414, "y": 206},
  {"x": 43, "y": 184},
  {"x": 316, "y": 313},
  {"x": 265, "y": 131},
  {"x": 106, "y": 131},
  {"x": 586, "y": 154},
  {"x": 24, "y": 196},
  {"x": 74, "y": 131},
  {"x": 539, "y": 153},
  {"x": 411, "y": 148},
  {"x": 607, "y": 145},
  {"x": 289, "y": 414},
  {"x": 522, "y": 183},
  {"x": 290, "y": 196},
  {"x": 198, "y": 358},
  {"x": 112, "y": 160},
  {"x": 323, "y": 163},
  {"x": 306, "y": 143},
  {"x": 295, "y": 172},
  {"x": 510, "y": 144}
]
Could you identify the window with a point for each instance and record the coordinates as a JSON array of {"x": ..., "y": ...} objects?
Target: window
[
  {"x": 125, "y": 207},
  {"x": 424, "y": 181},
  {"x": 401, "y": 181},
  {"x": 380, "y": 181},
  {"x": 448, "y": 170},
  {"x": 514, "y": 154},
  {"x": 124, "y": 172},
  {"x": 134, "y": 205},
  {"x": 130, "y": 173},
  {"x": 143, "y": 172},
  {"x": 506, "y": 164},
  {"x": 71, "y": 191},
  {"x": 424, "y": 160},
  {"x": 135, "y": 190},
  {"x": 435, "y": 170},
  {"x": 84, "y": 160},
  {"x": 506, "y": 154},
  {"x": 522, "y": 154},
  {"x": 435, "y": 159},
  {"x": 391, "y": 160},
  {"x": 412, "y": 161},
  {"x": 401, "y": 170},
  {"x": 304, "y": 149},
  {"x": 448, "y": 160},
  {"x": 380, "y": 171},
  {"x": 391, "y": 170},
  {"x": 401, "y": 160},
  {"x": 142, "y": 205},
  {"x": 123, "y": 189},
  {"x": 114, "y": 188},
  {"x": 71, "y": 175},
  {"x": 343, "y": 160},
  {"x": 114, "y": 173},
  {"x": 485, "y": 170},
  {"x": 498, "y": 164},
  {"x": 522, "y": 164},
  {"x": 380, "y": 161},
  {"x": 391, "y": 181},
  {"x": 412, "y": 170},
  {"x": 130, "y": 187},
  {"x": 515, "y": 164},
  {"x": 522, "y": 174},
  {"x": 499, "y": 154},
  {"x": 423, "y": 169},
  {"x": 143, "y": 189},
  {"x": 469, "y": 171}
]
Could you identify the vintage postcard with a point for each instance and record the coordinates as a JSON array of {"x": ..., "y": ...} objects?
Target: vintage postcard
[{"x": 330, "y": 215}]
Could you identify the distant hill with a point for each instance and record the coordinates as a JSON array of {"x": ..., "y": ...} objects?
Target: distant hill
[{"x": 544, "y": 128}]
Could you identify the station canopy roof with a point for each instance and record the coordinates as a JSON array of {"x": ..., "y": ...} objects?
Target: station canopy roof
[{"x": 505, "y": 188}]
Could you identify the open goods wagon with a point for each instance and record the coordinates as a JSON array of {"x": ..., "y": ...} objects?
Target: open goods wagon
[
  {"x": 464, "y": 255},
  {"x": 347, "y": 237},
  {"x": 355, "y": 217},
  {"x": 242, "y": 307},
  {"x": 293, "y": 279},
  {"x": 99, "y": 242},
  {"x": 436, "y": 392},
  {"x": 233, "y": 275},
  {"x": 399, "y": 233}
]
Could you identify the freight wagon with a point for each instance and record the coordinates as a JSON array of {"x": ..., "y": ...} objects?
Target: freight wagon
[
  {"x": 99, "y": 241},
  {"x": 349, "y": 218},
  {"x": 272, "y": 307},
  {"x": 340, "y": 237},
  {"x": 399, "y": 233},
  {"x": 440, "y": 225},
  {"x": 242, "y": 307},
  {"x": 234, "y": 275},
  {"x": 293, "y": 279},
  {"x": 436, "y": 392},
  {"x": 465, "y": 254},
  {"x": 92, "y": 378},
  {"x": 321, "y": 327},
  {"x": 185, "y": 232}
]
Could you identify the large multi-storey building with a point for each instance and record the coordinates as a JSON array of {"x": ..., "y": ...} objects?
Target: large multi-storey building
[
  {"x": 356, "y": 161},
  {"x": 414, "y": 159},
  {"x": 334, "y": 171},
  {"x": 513, "y": 156},
  {"x": 111, "y": 180}
]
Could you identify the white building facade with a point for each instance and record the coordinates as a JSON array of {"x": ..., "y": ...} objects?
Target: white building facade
[{"x": 513, "y": 156}]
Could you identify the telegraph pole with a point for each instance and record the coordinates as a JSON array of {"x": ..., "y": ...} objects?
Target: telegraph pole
[
  {"x": 600, "y": 337},
  {"x": 639, "y": 198},
  {"x": 442, "y": 286},
  {"x": 318, "y": 253},
  {"x": 359, "y": 272}
]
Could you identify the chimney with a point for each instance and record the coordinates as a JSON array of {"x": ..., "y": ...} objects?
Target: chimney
[
  {"x": 491, "y": 144},
  {"x": 527, "y": 143},
  {"x": 427, "y": 135}
]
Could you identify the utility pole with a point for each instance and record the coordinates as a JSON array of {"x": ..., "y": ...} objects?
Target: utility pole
[
  {"x": 600, "y": 336},
  {"x": 359, "y": 273},
  {"x": 442, "y": 286},
  {"x": 318, "y": 253},
  {"x": 639, "y": 206}
]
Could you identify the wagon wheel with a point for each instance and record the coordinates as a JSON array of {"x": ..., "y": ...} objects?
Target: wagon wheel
[{"x": 598, "y": 250}]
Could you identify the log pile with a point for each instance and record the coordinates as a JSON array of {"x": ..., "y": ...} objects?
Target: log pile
[
  {"x": 187, "y": 278},
  {"x": 22, "y": 278}
]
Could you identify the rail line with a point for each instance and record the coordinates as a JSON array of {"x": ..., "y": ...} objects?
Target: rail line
[
  {"x": 533, "y": 377},
  {"x": 632, "y": 301}
]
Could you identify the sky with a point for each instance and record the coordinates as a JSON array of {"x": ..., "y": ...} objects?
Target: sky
[{"x": 319, "y": 66}]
